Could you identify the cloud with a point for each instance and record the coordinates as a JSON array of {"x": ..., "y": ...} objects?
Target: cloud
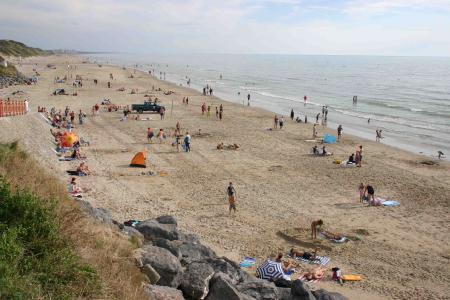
[{"x": 236, "y": 26}]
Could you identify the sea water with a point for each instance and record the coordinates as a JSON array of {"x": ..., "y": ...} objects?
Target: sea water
[{"x": 408, "y": 98}]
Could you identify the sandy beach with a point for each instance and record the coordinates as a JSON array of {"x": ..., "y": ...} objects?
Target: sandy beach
[{"x": 402, "y": 252}]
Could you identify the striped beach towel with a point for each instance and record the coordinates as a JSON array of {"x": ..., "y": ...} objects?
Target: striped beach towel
[{"x": 320, "y": 260}]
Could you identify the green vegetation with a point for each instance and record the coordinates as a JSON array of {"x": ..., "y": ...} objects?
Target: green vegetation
[
  {"x": 9, "y": 71},
  {"x": 13, "y": 48},
  {"x": 36, "y": 262}
]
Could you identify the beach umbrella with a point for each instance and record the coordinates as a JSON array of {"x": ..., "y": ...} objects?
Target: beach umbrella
[{"x": 269, "y": 270}]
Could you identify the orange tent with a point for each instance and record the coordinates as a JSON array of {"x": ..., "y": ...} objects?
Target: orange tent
[{"x": 139, "y": 160}]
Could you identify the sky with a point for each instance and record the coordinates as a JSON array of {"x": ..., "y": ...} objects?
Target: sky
[{"x": 328, "y": 27}]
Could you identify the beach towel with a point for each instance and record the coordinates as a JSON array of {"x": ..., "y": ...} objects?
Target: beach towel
[
  {"x": 390, "y": 203},
  {"x": 303, "y": 278},
  {"x": 320, "y": 260},
  {"x": 351, "y": 277},
  {"x": 75, "y": 173},
  {"x": 247, "y": 262},
  {"x": 66, "y": 159},
  {"x": 345, "y": 164}
]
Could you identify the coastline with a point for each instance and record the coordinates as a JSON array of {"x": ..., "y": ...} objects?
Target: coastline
[
  {"x": 280, "y": 187},
  {"x": 413, "y": 140}
]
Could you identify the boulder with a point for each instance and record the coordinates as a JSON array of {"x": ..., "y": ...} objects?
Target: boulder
[
  {"x": 134, "y": 234},
  {"x": 166, "y": 219},
  {"x": 191, "y": 252},
  {"x": 195, "y": 280},
  {"x": 172, "y": 246},
  {"x": 188, "y": 237},
  {"x": 259, "y": 289},
  {"x": 157, "y": 292},
  {"x": 300, "y": 291},
  {"x": 228, "y": 268},
  {"x": 220, "y": 288},
  {"x": 152, "y": 229},
  {"x": 284, "y": 293},
  {"x": 324, "y": 295},
  {"x": 151, "y": 273},
  {"x": 100, "y": 214},
  {"x": 165, "y": 263}
]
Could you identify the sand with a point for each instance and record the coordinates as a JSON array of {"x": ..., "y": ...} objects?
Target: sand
[{"x": 401, "y": 252}]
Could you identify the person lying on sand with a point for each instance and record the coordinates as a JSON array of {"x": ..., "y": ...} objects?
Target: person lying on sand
[
  {"x": 315, "y": 274},
  {"x": 232, "y": 147},
  {"x": 83, "y": 169},
  {"x": 305, "y": 255},
  {"x": 220, "y": 146},
  {"x": 285, "y": 265},
  {"x": 315, "y": 150},
  {"x": 331, "y": 235},
  {"x": 72, "y": 187}
]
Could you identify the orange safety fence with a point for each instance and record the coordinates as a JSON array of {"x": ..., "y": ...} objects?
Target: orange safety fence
[{"x": 12, "y": 108}]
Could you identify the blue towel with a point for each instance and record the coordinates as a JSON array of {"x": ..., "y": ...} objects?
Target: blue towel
[{"x": 391, "y": 203}]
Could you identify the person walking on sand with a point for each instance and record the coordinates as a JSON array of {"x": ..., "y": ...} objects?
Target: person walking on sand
[
  {"x": 359, "y": 153},
  {"x": 217, "y": 113},
  {"x": 339, "y": 132},
  {"x": 248, "y": 100},
  {"x": 208, "y": 112},
  {"x": 187, "y": 142},
  {"x": 275, "y": 122},
  {"x": 314, "y": 225},
  {"x": 231, "y": 192},
  {"x": 314, "y": 131},
  {"x": 281, "y": 122},
  {"x": 317, "y": 118},
  {"x": 162, "y": 111},
  {"x": 361, "y": 191},
  {"x": 80, "y": 117},
  {"x": 203, "y": 108},
  {"x": 292, "y": 114},
  {"x": 150, "y": 135}
]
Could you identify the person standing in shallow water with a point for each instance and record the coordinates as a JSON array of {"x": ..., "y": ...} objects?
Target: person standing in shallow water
[
  {"x": 292, "y": 114},
  {"x": 231, "y": 192}
]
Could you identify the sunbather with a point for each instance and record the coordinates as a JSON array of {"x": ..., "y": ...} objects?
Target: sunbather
[
  {"x": 72, "y": 187},
  {"x": 285, "y": 265},
  {"x": 315, "y": 274},
  {"x": 332, "y": 236},
  {"x": 305, "y": 255},
  {"x": 83, "y": 169}
]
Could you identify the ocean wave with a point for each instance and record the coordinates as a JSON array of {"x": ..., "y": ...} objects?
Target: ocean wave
[{"x": 410, "y": 109}]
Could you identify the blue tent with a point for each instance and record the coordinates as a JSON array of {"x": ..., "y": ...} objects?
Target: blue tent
[{"x": 329, "y": 139}]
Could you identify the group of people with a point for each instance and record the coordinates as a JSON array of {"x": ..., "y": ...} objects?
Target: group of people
[
  {"x": 278, "y": 122},
  {"x": 63, "y": 119},
  {"x": 207, "y": 90},
  {"x": 356, "y": 158},
  {"x": 161, "y": 136}
]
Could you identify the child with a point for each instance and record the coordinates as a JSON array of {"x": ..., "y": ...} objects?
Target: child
[
  {"x": 361, "y": 190},
  {"x": 337, "y": 275}
]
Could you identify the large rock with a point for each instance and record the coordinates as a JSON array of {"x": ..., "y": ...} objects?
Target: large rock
[
  {"x": 259, "y": 289},
  {"x": 172, "y": 246},
  {"x": 324, "y": 295},
  {"x": 152, "y": 229},
  {"x": 100, "y": 214},
  {"x": 228, "y": 268},
  {"x": 300, "y": 291},
  {"x": 165, "y": 263},
  {"x": 195, "y": 280},
  {"x": 284, "y": 293},
  {"x": 220, "y": 288},
  {"x": 166, "y": 219},
  {"x": 134, "y": 234},
  {"x": 188, "y": 237},
  {"x": 156, "y": 292},
  {"x": 191, "y": 252},
  {"x": 151, "y": 273}
]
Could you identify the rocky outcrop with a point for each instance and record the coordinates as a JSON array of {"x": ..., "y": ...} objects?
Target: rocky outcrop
[
  {"x": 179, "y": 266},
  {"x": 152, "y": 229},
  {"x": 195, "y": 281},
  {"x": 165, "y": 263},
  {"x": 156, "y": 292},
  {"x": 325, "y": 295}
]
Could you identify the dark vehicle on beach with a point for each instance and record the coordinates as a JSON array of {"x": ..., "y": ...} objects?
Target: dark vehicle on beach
[{"x": 147, "y": 106}]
